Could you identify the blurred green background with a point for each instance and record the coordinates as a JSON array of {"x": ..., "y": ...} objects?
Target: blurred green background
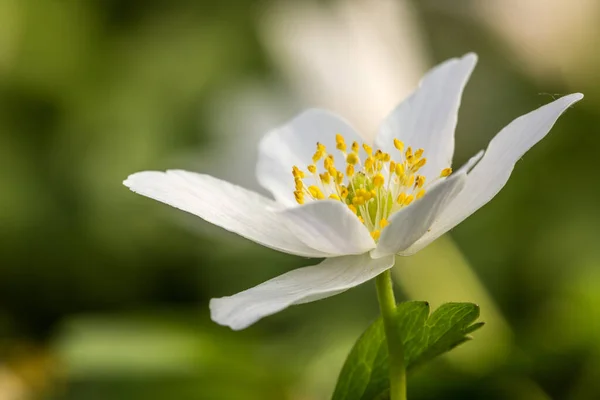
[{"x": 104, "y": 294}]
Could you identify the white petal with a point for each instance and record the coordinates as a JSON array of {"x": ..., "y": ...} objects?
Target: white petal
[
  {"x": 492, "y": 172},
  {"x": 411, "y": 223},
  {"x": 294, "y": 144},
  {"x": 221, "y": 203},
  {"x": 303, "y": 285},
  {"x": 329, "y": 226},
  {"x": 427, "y": 118}
]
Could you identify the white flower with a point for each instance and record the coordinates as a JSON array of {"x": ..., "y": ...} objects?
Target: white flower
[{"x": 359, "y": 207}]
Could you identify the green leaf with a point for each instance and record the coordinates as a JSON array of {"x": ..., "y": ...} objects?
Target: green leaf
[{"x": 364, "y": 375}]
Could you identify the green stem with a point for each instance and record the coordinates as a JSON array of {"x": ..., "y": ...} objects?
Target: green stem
[{"x": 387, "y": 304}]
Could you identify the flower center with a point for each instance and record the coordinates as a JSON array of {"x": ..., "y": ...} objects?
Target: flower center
[{"x": 373, "y": 188}]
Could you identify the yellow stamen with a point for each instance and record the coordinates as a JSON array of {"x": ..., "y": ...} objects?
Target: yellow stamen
[
  {"x": 378, "y": 180},
  {"x": 340, "y": 143},
  {"x": 316, "y": 192},
  {"x": 401, "y": 198},
  {"x": 344, "y": 192},
  {"x": 312, "y": 168},
  {"x": 355, "y": 147},
  {"x": 297, "y": 172},
  {"x": 299, "y": 196},
  {"x": 398, "y": 144},
  {"x": 328, "y": 162},
  {"x": 352, "y": 208},
  {"x": 409, "y": 199},
  {"x": 383, "y": 223},
  {"x": 400, "y": 170},
  {"x": 421, "y": 193},
  {"x": 325, "y": 177},
  {"x": 334, "y": 197},
  {"x": 375, "y": 234},
  {"x": 358, "y": 201},
  {"x": 446, "y": 172},
  {"x": 420, "y": 181},
  {"x": 352, "y": 158},
  {"x": 369, "y": 164},
  {"x": 368, "y": 149},
  {"x": 350, "y": 170},
  {"x": 418, "y": 165}
]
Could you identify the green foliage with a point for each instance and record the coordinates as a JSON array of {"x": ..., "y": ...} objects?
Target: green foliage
[{"x": 365, "y": 372}]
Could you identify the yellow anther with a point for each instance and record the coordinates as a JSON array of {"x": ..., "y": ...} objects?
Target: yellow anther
[
  {"x": 446, "y": 172},
  {"x": 299, "y": 185},
  {"x": 352, "y": 158},
  {"x": 316, "y": 192},
  {"x": 339, "y": 178},
  {"x": 372, "y": 193},
  {"x": 297, "y": 172},
  {"x": 366, "y": 196},
  {"x": 358, "y": 201},
  {"x": 334, "y": 197},
  {"x": 401, "y": 198},
  {"x": 312, "y": 168},
  {"x": 398, "y": 144},
  {"x": 375, "y": 234},
  {"x": 385, "y": 157},
  {"x": 350, "y": 170},
  {"x": 317, "y": 156},
  {"x": 409, "y": 153},
  {"x": 409, "y": 199},
  {"x": 325, "y": 177},
  {"x": 421, "y": 193},
  {"x": 369, "y": 164},
  {"x": 418, "y": 165},
  {"x": 299, "y": 196},
  {"x": 383, "y": 223},
  {"x": 361, "y": 219},
  {"x": 419, "y": 153},
  {"x": 340, "y": 143},
  {"x": 400, "y": 170},
  {"x": 328, "y": 162},
  {"x": 411, "y": 181},
  {"x": 355, "y": 147},
  {"x": 343, "y": 192},
  {"x": 352, "y": 208},
  {"x": 368, "y": 149},
  {"x": 420, "y": 181},
  {"x": 392, "y": 166},
  {"x": 378, "y": 154},
  {"x": 321, "y": 148},
  {"x": 378, "y": 180}
]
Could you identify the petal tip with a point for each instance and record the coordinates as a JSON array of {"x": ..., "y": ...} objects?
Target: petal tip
[
  {"x": 471, "y": 58},
  {"x": 219, "y": 314},
  {"x": 135, "y": 178},
  {"x": 577, "y": 96}
]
